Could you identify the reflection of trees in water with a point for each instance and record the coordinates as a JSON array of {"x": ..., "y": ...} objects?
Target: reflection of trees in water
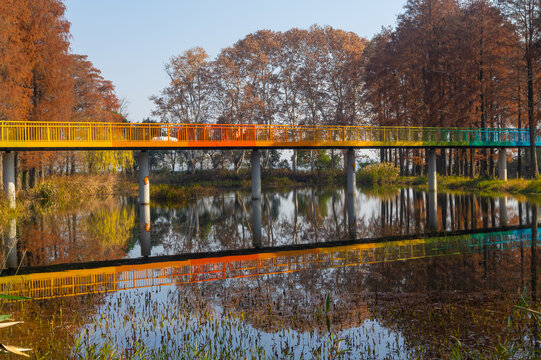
[
  {"x": 428, "y": 300},
  {"x": 287, "y": 301},
  {"x": 309, "y": 215},
  {"x": 469, "y": 297},
  {"x": 97, "y": 233}
]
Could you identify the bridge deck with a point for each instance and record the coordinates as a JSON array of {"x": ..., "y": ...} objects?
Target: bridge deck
[{"x": 94, "y": 135}]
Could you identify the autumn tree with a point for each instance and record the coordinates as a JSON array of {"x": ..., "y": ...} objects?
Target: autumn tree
[{"x": 525, "y": 15}]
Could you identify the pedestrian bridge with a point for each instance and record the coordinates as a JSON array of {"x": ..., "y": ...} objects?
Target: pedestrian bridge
[
  {"x": 114, "y": 136},
  {"x": 111, "y": 276}
]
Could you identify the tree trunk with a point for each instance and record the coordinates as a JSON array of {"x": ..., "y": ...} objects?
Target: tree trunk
[{"x": 531, "y": 121}]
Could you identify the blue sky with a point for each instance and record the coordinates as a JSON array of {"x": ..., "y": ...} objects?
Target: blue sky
[{"x": 131, "y": 40}]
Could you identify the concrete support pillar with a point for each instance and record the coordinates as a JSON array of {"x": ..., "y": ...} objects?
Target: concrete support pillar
[
  {"x": 433, "y": 211},
  {"x": 144, "y": 236},
  {"x": 432, "y": 177},
  {"x": 144, "y": 183},
  {"x": 256, "y": 197},
  {"x": 350, "y": 160},
  {"x": 256, "y": 174},
  {"x": 503, "y": 211},
  {"x": 9, "y": 178},
  {"x": 11, "y": 245},
  {"x": 502, "y": 164}
]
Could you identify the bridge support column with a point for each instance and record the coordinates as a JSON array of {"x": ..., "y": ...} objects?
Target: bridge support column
[
  {"x": 351, "y": 183},
  {"x": 432, "y": 177},
  {"x": 256, "y": 197},
  {"x": 256, "y": 174},
  {"x": 9, "y": 178},
  {"x": 502, "y": 164},
  {"x": 144, "y": 183},
  {"x": 351, "y": 193}
]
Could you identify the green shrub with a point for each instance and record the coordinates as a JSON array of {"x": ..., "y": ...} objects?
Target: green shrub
[{"x": 382, "y": 173}]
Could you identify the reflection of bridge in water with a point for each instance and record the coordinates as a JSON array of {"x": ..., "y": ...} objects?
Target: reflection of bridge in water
[{"x": 111, "y": 276}]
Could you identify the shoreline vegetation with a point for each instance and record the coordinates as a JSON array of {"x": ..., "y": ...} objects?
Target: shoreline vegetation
[
  {"x": 71, "y": 191},
  {"x": 61, "y": 192}
]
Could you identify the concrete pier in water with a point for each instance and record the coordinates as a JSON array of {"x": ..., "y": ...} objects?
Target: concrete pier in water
[
  {"x": 503, "y": 211},
  {"x": 144, "y": 236},
  {"x": 351, "y": 183},
  {"x": 256, "y": 198},
  {"x": 432, "y": 176},
  {"x": 144, "y": 182},
  {"x": 351, "y": 194},
  {"x": 502, "y": 164},
  {"x": 433, "y": 210},
  {"x": 9, "y": 178}
]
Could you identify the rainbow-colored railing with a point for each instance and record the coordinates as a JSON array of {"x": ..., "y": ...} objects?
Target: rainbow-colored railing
[
  {"x": 95, "y": 135},
  {"x": 124, "y": 277}
]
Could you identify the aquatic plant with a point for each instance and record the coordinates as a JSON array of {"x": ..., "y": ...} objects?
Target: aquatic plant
[{"x": 5, "y": 322}]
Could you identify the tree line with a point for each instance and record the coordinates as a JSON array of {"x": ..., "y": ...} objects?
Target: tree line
[
  {"x": 472, "y": 64},
  {"x": 446, "y": 63},
  {"x": 42, "y": 80}
]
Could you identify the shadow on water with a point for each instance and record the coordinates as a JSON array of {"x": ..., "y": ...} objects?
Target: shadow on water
[{"x": 408, "y": 272}]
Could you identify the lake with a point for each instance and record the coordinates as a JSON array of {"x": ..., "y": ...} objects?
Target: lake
[{"x": 386, "y": 273}]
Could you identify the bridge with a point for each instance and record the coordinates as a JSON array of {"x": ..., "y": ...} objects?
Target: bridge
[
  {"x": 53, "y": 136},
  {"x": 112, "y": 276},
  {"x": 138, "y": 136}
]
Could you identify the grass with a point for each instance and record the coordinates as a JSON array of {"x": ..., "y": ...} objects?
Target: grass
[
  {"x": 492, "y": 187},
  {"x": 380, "y": 173},
  {"x": 68, "y": 191}
]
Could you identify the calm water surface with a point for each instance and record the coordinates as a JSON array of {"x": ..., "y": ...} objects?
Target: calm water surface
[{"x": 407, "y": 274}]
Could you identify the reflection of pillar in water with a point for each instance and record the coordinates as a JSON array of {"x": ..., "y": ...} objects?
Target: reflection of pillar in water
[
  {"x": 144, "y": 238},
  {"x": 256, "y": 197},
  {"x": 533, "y": 257},
  {"x": 503, "y": 211},
  {"x": 256, "y": 222},
  {"x": 352, "y": 222},
  {"x": 11, "y": 245},
  {"x": 432, "y": 210}
]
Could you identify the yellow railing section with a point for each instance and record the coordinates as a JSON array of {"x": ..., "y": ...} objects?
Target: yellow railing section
[{"x": 64, "y": 135}]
